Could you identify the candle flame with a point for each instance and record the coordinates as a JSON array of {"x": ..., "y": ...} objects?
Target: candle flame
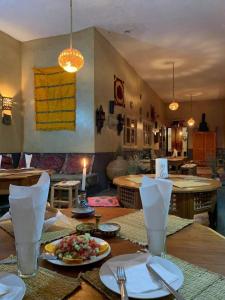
[{"x": 84, "y": 163}]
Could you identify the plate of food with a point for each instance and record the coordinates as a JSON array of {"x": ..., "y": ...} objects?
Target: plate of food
[{"x": 77, "y": 250}]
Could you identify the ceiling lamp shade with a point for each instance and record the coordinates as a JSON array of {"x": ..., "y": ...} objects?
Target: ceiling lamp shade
[
  {"x": 70, "y": 59},
  {"x": 191, "y": 121},
  {"x": 174, "y": 105}
]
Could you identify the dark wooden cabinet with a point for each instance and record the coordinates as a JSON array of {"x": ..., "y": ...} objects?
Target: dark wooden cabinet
[{"x": 204, "y": 147}]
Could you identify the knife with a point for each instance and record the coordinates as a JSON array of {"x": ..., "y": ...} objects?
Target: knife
[
  {"x": 12, "y": 259},
  {"x": 169, "y": 287}
]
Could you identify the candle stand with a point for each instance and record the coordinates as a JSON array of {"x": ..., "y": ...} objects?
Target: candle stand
[{"x": 82, "y": 209}]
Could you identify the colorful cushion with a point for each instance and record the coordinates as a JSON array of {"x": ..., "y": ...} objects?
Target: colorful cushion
[
  {"x": 74, "y": 163},
  {"x": 109, "y": 201},
  {"x": 52, "y": 162},
  {"x": 7, "y": 162},
  {"x": 34, "y": 161}
]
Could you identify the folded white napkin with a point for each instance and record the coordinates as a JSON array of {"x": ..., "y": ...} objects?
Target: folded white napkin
[
  {"x": 28, "y": 158},
  {"x": 3, "y": 289},
  {"x": 161, "y": 168},
  {"x": 60, "y": 220},
  {"x": 139, "y": 280},
  {"x": 175, "y": 153},
  {"x": 0, "y": 160},
  {"x": 155, "y": 198},
  {"x": 27, "y": 207}
]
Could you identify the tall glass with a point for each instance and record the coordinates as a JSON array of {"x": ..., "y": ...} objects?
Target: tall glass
[
  {"x": 27, "y": 258},
  {"x": 156, "y": 242}
]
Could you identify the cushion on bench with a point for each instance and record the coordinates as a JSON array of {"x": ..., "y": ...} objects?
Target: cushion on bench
[
  {"x": 7, "y": 162},
  {"x": 34, "y": 161},
  {"x": 74, "y": 163}
]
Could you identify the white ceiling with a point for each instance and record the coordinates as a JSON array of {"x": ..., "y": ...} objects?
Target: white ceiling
[{"x": 189, "y": 32}]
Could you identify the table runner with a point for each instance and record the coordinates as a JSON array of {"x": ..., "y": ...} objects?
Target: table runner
[
  {"x": 46, "y": 285},
  {"x": 199, "y": 283},
  {"x": 133, "y": 227}
]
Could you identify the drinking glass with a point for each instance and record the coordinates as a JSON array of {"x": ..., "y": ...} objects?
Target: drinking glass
[
  {"x": 27, "y": 258},
  {"x": 156, "y": 242}
]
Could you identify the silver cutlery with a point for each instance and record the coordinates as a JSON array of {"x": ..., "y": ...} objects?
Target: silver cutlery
[
  {"x": 12, "y": 259},
  {"x": 177, "y": 295},
  {"x": 121, "y": 280}
]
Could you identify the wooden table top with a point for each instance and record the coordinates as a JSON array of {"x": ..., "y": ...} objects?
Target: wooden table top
[
  {"x": 196, "y": 244},
  {"x": 8, "y": 174},
  {"x": 213, "y": 184}
]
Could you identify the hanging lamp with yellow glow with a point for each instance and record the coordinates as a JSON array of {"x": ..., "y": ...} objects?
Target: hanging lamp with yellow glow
[
  {"x": 174, "y": 105},
  {"x": 191, "y": 121},
  {"x": 70, "y": 59}
]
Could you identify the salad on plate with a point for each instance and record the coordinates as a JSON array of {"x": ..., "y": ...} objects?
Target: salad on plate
[{"x": 77, "y": 248}]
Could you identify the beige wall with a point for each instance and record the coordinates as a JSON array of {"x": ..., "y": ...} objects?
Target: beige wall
[
  {"x": 44, "y": 53},
  {"x": 215, "y": 117},
  {"x": 108, "y": 62},
  {"x": 10, "y": 85}
]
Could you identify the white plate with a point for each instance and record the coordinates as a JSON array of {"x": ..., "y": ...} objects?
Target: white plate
[
  {"x": 110, "y": 282},
  {"x": 15, "y": 285},
  {"x": 86, "y": 262}
]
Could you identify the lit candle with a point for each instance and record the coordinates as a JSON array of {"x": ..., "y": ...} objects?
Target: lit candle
[{"x": 84, "y": 175}]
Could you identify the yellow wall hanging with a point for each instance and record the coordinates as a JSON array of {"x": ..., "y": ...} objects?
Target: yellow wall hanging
[{"x": 55, "y": 99}]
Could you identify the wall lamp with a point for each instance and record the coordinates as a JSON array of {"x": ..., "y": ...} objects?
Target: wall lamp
[{"x": 6, "y": 104}]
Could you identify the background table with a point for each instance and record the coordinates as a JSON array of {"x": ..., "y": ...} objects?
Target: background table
[
  {"x": 18, "y": 177},
  {"x": 196, "y": 244},
  {"x": 185, "y": 202}
]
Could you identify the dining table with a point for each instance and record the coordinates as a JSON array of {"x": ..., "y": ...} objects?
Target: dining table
[
  {"x": 190, "y": 195},
  {"x": 196, "y": 244},
  {"x": 19, "y": 176}
]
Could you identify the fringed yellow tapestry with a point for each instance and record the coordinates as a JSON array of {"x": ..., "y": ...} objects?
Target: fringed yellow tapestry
[{"x": 55, "y": 101}]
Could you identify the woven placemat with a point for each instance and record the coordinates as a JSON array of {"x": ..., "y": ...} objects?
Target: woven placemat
[
  {"x": 46, "y": 285},
  {"x": 199, "y": 283},
  {"x": 47, "y": 236},
  {"x": 133, "y": 227}
]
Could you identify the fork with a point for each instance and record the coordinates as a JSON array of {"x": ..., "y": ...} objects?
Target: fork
[{"x": 121, "y": 279}]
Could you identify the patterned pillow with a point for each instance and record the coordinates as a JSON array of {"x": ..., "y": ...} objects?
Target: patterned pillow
[
  {"x": 34, "y": 161},
  {"x": 74, "y": 163},
  {"x": 52, "y": 161},
  {"x": 7, "y": 162}
]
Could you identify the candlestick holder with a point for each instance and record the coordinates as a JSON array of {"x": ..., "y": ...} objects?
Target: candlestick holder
[{"x": 82, "y": 208}]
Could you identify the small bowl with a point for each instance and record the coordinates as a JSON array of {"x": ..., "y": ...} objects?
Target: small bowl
[
  {"x": 109, "y": 229},
  {"x": 86, "y": 228},
  {"x": 83, "y": 212}
]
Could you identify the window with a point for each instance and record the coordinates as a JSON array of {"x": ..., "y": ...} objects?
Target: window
[
  {"x": 130, "y": 132},
  {"x": 147, "y": 133}
]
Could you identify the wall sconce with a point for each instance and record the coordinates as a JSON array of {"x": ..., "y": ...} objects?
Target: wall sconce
[
  {"x": 155, "y": 130},
  {"x": 100, "y": 119},
  {"x": 7, "y": 103},
  {"x": 120, "y": 124}
]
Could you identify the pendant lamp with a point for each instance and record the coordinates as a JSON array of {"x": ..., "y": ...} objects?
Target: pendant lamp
[
  {"x": 174, "y": 105},
  {"x": 191, "y": 121},
  {"x": 70, "y": 59}
]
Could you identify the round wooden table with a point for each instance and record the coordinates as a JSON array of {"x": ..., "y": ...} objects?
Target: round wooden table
[
  {"x": 18, "y": 177},
  {"x": 197, "y": 196},
  {"x": 196, "y": 244}
]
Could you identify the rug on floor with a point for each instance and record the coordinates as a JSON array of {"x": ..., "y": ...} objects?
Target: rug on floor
[{"x": 109, "y": 201}]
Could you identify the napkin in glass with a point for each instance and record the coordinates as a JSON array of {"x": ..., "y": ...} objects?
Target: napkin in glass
[
  {"x": 155, "y": 198},
  {"x": 161, "y": 168},
  {"x": 28, "y": 158},
  {"x": 27, "y": 207}
]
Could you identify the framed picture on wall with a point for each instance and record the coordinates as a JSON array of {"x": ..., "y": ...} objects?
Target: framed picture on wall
[{"x": 119, "y": 91}]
